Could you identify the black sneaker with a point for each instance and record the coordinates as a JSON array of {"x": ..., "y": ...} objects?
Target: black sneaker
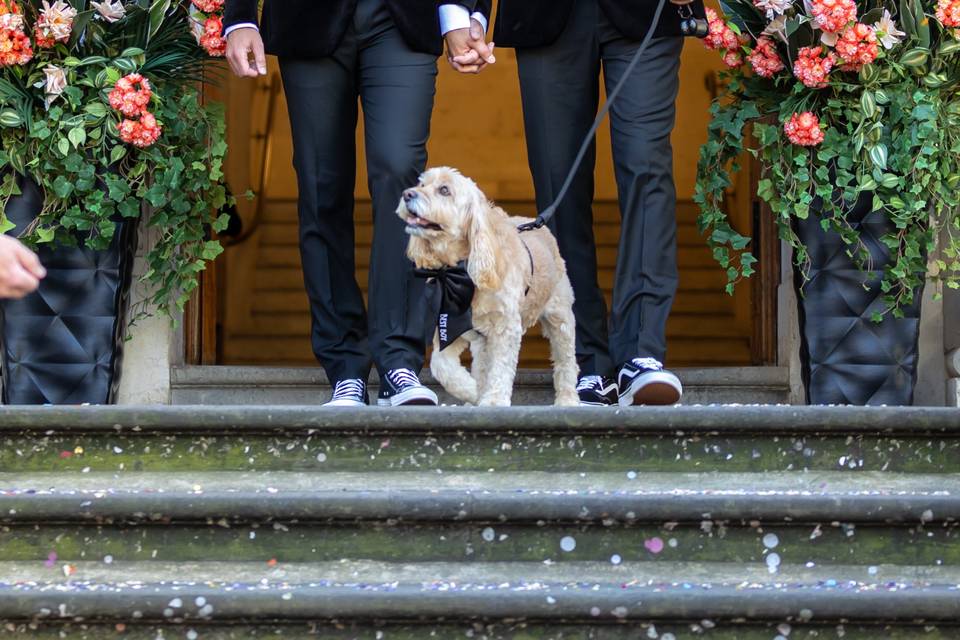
[
  {"x": 351, "y": 392},
  {"x": 401, "y": 387},
  {"x": 597, "y": 391},
  {"x": 645, "y": 381}
]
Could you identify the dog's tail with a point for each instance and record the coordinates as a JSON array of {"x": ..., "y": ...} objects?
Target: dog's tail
[{"x": 449, "y": 371}]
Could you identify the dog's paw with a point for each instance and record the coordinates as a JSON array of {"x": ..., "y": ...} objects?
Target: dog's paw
[
  {"x": 488, "y": 401},
  {"x": 567, "y": 400}
]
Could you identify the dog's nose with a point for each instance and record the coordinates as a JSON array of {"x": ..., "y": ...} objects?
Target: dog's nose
[{"x": 409, "y": 194}]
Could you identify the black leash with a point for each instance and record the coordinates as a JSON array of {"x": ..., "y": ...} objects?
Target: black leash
[{"x": 546, "y": 214}]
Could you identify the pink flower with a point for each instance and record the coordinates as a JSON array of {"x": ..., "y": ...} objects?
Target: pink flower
[
  {"x": 764, "y": 58},
  {"x": 733, "y": 59},
  {"x": 212, "y": 39},
  {"x": 208, "y": 6},
  {"x": 857, "y": 46},
  {"x": 833, "y": 15},
  {"x": 812, "y": 67},
  {"x": 804, "y": 129},
  {"x": 129, "y": 99},
  {"x": 720, "y": 35},
  {"x": 948, "y": 12}
]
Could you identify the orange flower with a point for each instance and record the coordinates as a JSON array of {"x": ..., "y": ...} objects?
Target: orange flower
[
  {"x": 212, "y": 39},
  {"x": 764, "y": 58},
  {"x": 812, "y": 67},
  {"x": 208, "y": 6},
  {"x": 857, "y": 46},
  {"x": 948, "y": 12},
  {"x": 140, "y": 133},
  {"x": 129, "y": 99},
  {"x": 804, "y": 129},
  {"x": 15, "y": 48},
  {"x": 833, "y": 15}
]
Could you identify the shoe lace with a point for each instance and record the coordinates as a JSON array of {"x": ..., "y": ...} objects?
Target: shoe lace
[
  {"x": 403, "y": 378},
  {"x": 648, "y": 363},
  {"x": 351, "y": 388},
  {"x": 589, "y": 382}
]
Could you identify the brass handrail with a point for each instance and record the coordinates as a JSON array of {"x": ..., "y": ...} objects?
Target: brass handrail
[{"x": 265, "y": 166}]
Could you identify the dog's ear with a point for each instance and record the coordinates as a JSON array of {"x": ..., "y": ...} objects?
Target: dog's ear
[{"x": 482, "y": 263}]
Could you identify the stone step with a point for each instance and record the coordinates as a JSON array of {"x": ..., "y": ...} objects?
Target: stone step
[
  {"x": 309, "y": 386},
  {"x": 482, "y": 630},
  {"x": 580, "y": 440},
  {"x": 583, "y": 591},
  {"x": 810, "y": 497}
]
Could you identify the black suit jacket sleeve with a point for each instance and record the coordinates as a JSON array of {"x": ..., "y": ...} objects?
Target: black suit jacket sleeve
[
  {"x": 239, "y": 11},
  {"x": 483, "y": 6},
  {"x": 311, "y": 29}
]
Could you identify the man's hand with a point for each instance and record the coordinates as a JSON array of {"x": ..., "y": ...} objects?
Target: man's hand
[
  {"x": 243, "y": 44},
  {"x": 467, "y": 50},
  {"x": 20, "y": 269}
]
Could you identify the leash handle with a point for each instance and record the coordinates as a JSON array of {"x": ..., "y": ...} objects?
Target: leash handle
[{"x": 544, "y": 216}]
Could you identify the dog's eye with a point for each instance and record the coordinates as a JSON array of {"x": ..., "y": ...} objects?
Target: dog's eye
[{"x": 444, "y": 190}]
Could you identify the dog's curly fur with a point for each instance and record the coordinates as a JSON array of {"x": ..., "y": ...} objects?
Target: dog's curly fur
[{"x": 450, "y": 220}]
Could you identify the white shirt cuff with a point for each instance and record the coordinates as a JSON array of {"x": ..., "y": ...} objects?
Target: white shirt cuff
[
  {"x": 457, "y": 16},
  {"x": 239, "y": 25}
]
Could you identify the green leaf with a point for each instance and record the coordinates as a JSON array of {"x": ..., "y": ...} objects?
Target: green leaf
[
  {"x": 915, "y": 58},
  {"x": 879, "y": 155},
  {"x": 949, "y": 47},
  {"x": 10, "y": 118},
  {"x": 45, "y": 235},
  {"x": 157, "y": 13},
  {"x": 63, "y": 146},
  {"x": 77, "y": 136},
  {"x": 868, "y": 105},
  {"x": 117, "y": 153},
  {"x": 96, "y": 109}
]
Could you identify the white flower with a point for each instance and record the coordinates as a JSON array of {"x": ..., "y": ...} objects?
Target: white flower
[
  {"x": 773, "y": 8},
  {"x": 55, "y": 84},
  {"x": 829, "y": 39},
  {"x": 110, "y": 10},
  {"x": 56, "y": 20},
  {"x": 887, "y": 31},
  {"x": 777, "y": 27},
  {"x": 11, "y": 22}
]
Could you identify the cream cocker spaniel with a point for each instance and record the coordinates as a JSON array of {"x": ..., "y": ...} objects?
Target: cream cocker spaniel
[{"x": 520, "y": 279}]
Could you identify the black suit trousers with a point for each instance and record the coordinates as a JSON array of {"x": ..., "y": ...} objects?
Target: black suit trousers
[
  {"x": 559, "y": 85},
  {"x": 396, "y": 86}
]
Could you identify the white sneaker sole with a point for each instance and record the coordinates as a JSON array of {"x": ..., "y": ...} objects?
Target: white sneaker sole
[
  {"x": 419, "y": 396},
  {"x": 345, "y": 403},
  {"x": 657, "y": 388}
]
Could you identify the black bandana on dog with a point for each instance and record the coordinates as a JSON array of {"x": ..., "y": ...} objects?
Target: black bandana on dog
[{"x": 450, "y": 292}]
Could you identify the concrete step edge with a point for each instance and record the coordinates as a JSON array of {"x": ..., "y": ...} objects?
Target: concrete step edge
[
  {"x": 673, "y": 421},
  {"x": 777, "y": 378},
  {"x": 575, "y": 591},
  {"x": 872, "y": 497}
]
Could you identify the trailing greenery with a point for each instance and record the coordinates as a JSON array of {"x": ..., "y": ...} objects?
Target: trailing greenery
[
  {"x": 90, "y": 177},
  {"x": 891, "y": 132}
]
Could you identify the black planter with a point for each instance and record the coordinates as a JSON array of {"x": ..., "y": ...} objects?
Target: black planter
[
  {"x": 848, "y": 358},
  {"x": 63, "y": 344}
]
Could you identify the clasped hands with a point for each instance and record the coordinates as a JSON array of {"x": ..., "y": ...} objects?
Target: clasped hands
[{"x": 468, "y": 51}]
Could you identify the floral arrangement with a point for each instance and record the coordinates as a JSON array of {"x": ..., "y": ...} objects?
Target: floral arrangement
[
  {"x": 101, "y": 106},
  {"x": 842, "y": 101}
]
